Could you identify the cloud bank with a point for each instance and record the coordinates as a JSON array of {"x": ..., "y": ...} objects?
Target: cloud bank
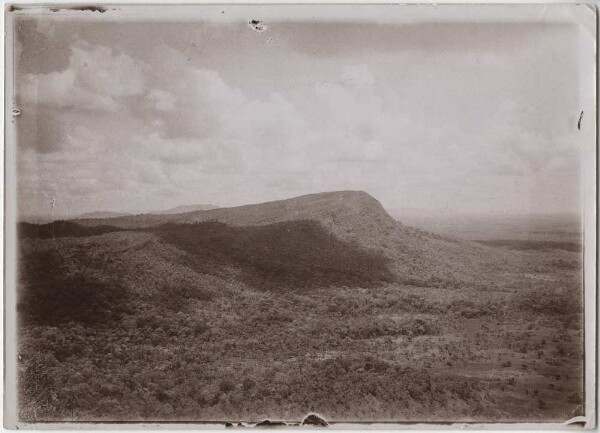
[{"x": 116, "y": 129}]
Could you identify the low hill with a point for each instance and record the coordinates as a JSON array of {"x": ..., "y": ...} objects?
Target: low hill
[
  {"x": 102, "y": 214},
  {"x": 185, "y": 209}
]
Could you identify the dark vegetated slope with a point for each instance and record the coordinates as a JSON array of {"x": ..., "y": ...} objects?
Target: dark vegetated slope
[
  {"x": 145, "y": 268},
  {"x": 294, "y": 254},
  {"x": 50, "y": 295},
  {"x": 61, "y": 229},
  {"x": 517, "y": 244}
]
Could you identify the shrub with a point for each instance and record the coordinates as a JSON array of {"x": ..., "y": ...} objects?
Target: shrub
[
  {"x": 248, "y": 384},
  {"x": 226, "y": 386},
  {"x": 551, "y": 302},
  {"x": 61, "y": 229}
]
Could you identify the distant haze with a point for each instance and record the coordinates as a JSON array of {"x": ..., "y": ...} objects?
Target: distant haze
[
  {"x": 559, "y": 227},
  {"x": 134, "y": 116}
]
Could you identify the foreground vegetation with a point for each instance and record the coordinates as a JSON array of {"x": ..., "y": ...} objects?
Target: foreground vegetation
[{"x": 211, "y": 322}]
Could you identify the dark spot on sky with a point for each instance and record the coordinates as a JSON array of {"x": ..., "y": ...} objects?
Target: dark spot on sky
[
  {"x": 579, "y": 121},
  {"x": 257, "y": 25}
]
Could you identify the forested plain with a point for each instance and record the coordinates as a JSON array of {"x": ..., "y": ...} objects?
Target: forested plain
[{"x": 210, "y": 321}]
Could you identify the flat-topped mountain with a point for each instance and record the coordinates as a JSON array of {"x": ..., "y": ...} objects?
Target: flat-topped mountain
[
  {"x": 319, "y": 207},
  {"x": 346, "y": 213}
]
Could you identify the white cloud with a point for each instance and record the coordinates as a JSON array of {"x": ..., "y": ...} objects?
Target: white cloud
[
  {"x": 162, "y": 100},
  {"x": 96, "y": 78}
]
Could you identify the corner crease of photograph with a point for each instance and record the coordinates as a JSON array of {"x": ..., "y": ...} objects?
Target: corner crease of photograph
[{"x": 301, "y": 215}]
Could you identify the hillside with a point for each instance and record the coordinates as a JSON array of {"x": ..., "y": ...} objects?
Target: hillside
[
  {"x": 259, "y": 311},
  {"x": 416, "y": 256}
]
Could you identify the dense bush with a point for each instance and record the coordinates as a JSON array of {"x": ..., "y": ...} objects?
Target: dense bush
[
  {"x": 158, "y": 326},
  {"x": 61, "y": 229},
  {"x": 366, "y": 328},
  {"x": 469, "y": 309},
  {"x": 551, "y": 302},
  {"x": 177, "y": 297},
  {"x": 51, "y": 295}
]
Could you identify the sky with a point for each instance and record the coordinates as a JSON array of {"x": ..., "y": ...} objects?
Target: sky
[{"x": 430, "y": 110}]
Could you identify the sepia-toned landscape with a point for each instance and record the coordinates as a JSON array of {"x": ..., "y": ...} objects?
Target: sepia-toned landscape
[{"x": 301, "y": 214}]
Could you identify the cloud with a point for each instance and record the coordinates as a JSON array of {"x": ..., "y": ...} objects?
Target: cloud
[
  {"x": 162, "y": 100},
  {"x": 41, "y": 128},
  {"x": 167, "y": 134},
  {"x": 199, "y": 119},
  {"x": 96, "y": 79},
  {"x": 355, "y": 124},
  {"x": 190, "y": 102},
  {"x": 153, "y": 147}
]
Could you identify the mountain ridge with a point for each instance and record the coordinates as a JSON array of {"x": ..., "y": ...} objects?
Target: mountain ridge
[
  {"x": 333, "y": 209},
  {"x": 342, "y": 212},
  {"x": 417, "y": 256}
]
